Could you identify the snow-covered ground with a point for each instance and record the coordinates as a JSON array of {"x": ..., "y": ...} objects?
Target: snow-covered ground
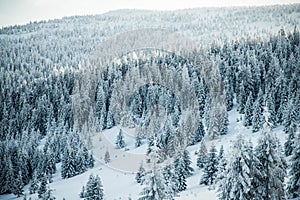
[{"x": 118, "y": 176}]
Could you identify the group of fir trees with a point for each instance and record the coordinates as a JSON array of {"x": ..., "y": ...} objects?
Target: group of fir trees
[
  {"x": 255, "y": 173},
  {"x": 164, "y": 180},
  {"x": 93, "y": 189}
]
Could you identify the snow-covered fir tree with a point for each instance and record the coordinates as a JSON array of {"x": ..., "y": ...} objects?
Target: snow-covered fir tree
[
  {"x": 271, "y": 165},
  {"x": 202, "y": 155},
  {"x": 154, "y": 185},
  {"x": 139, "y": 177},
  {"x": 293, "y": 186},
  {"x": 120, "y": 143},
  {"x": 210, "y": 168},
  {"x": 236, "y": 183},
  {"x": 107, "y": 157},
  {"x": 94, "y": 188}
]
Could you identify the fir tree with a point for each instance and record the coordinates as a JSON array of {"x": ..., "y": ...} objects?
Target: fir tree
[
  {"x": 293, "y": 187},
  {"x": 237, "y": 178},
  {"x": 187, "y": 163},
  {"x": 199, "y": 133},
  {"x": 202, "y": 155},
  {"x": 138, "y": 141},
  {"x": 257, "y": 113},
  {"x": 48, "y": 194},
  {"x": 106, "y": 157},
  {"x": 170, "y": 182},
  {"x": 140, "y": 174},
  {"x": 120, "y": 140},
  {"x": 180, "y": 173},
  {"x": 210, "y": 168},
  {"x": 271, "y": 164},
  {"x": 94, "y": 189},
  {"x": 153, "y": 179},
  {"x": 18, "y": 185},
  {"x": 34, "y": 183},
  {"x": 43, "y": 186},
  {"x": 82, "y": 192},
  {"x": 248, "y": 111}
]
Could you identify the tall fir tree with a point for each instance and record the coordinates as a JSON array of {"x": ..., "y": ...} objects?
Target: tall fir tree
[
  {"x": 236, "y": 183},
  {"x": 94, "y": 189},
  {"x": 202, "y": 155},
  {"x": 211, "y": 167},
  {"x": 248, "y": 111},
  {"x": 120, "y": 140},
  {"x": 257, "y": 112},
  {"x": 293, "y": 186},
  {"x": 271, "y": 164},
  {"x": 139, "y": 177}
]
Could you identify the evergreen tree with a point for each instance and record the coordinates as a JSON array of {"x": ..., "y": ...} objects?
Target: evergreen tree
[
  {"x": 94, "y": 189},
  {"x": 48, "y": 194},
  {"x": 237, "y": 179},
  {"x": 153, "y": 179},
  {"x": 293, "y": 187},
  {"x": 256, "y": 117},
  {"x": 120, "y": 140},
  {"x": 202, "y": 155},
  {"x": 180, "y": 173},
  {"x": 82, "y": 193},
  {"x": 138, "y": 141},
  {"x": 170, "y": 182},
  {"x": 43, "y": 186},
  {"x": 140, "y": 174},
  {"x": 199, "y": 133},
  {"x": 210, "y": 168},
  {"x": 187, "y": 163},
  {"x": 271, "y": 164},
  {"x": 106, "y": 157},
  {"x": 34, "y": 183},
  {"x": 18, "y": 185},
  {"x": 248, "y": 111}
]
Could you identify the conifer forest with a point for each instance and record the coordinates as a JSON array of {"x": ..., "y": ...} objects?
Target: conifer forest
[{"x": 199, "y": 103}]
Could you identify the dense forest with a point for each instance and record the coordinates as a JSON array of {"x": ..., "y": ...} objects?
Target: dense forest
[{"x": 53, "y": 99}]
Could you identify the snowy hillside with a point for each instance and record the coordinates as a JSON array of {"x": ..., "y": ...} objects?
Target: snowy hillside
[
  {"x": 120, "y": 183},
  {"x": 132, "y": 104}
]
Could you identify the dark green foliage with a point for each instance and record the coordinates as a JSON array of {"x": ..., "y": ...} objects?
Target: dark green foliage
[
  {"x": 211, "y": 167},
  {"x": 140, "y": 175},
  {"x": 120, "y": 140},
  {"x": 293, "y": 187},
  {"x": 43, "y": 186},
  {"x": 94, "y": 189}
]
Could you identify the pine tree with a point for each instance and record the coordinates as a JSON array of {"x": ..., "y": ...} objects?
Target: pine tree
[
  {"x": 221, "y": 170},
  {"x": 120, "y": 140},
  {"x": 187, "y": 163},
  {"x": 236, "y": 184},
  {"x": 138, "y": 141},
  {"x": 153, "y": 179},
  {"x": 180, "y": 173},
  {"x": 293, "y": 187},
  {"x": 202, "y": 155},
  {"x": 210, "y": 168},
  {"x": 199, "y": 133},
  {"x": 248, "y": 111},
  {"x": 271, "y": 164},
  {"x": 106, "y": 157},
  {"x": 94, "y": 189},
  {"x": 140, "y": 174},
  {"x": 34, "y": 183},
  {"x": 18, "y": 185},
  {"x": 43, "y": 186},
  {"x": 48, "y": 194},
  {"x": 82, "y": 192},
  {"x": 170, "y": 182}
]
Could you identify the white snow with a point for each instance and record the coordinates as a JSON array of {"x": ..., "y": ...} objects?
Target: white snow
[{"x": 118, "y": 176}]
